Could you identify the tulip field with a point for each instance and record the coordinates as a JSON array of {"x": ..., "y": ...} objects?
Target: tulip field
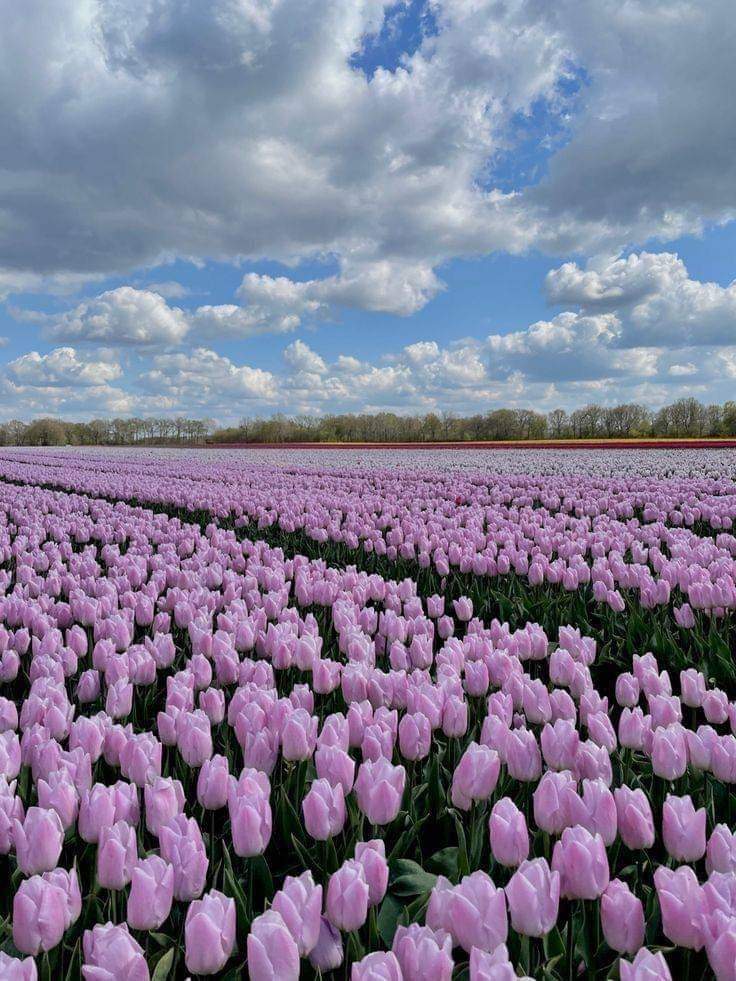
[{"x": 367, "y": 715}]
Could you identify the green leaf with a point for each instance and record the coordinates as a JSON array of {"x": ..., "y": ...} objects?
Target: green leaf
[
  {"x": 164, "y": 965},
  {"x": 235, "y": 889},
  {"x": 411, "y": 879},
  {"x": 445, "y": 861},
  {"x": 262, "y": 874},
  {"x": 388, "y": 919}
]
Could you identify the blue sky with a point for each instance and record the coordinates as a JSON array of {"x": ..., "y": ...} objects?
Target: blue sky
[{"x": 350, "y": 205}]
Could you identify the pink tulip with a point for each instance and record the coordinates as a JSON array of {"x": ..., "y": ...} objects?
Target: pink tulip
[
  {"x": 509, "y": 834},
  {"x": 378, "y": 966},
  {"x": 347, "y": 897},
  {"x": 551, "y": 811},
  {"x": 111, "y": 952},
  {"x": 181, "y": 845},
  {"x": 209, "y": 933},
  {"x": 151, "y": 893},
  {"x": 580, "y": 858},
  {"x": 164, "y": 799},
  {"x": 475, "y": 776},
  {"x": 299, "y": 903},
  {"x": 372, "y": 857},
  {"x": 533, "y": 895},
  {"x": 213, "y": 783},
  {"x": 38, "y": 840},
  {"x": 40, "y": 915},
  {"x": 681, "y": 901},
  {"x": 635, "y": 821},
  {"x": 645, "y": 967},
  {"x": 379, "y": 789},
  {"x": 117, "y": 855},
  {"x": 423, "y": 953},
  {"x": 683, "y": 829},
  {"x": 324, "y": 810},
  {"x": 622, "y": 918}
]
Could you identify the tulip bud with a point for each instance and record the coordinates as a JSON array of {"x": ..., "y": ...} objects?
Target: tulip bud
[
  {"x": 509, "y": 834},
  {"x": 272, "y": 952},
  {"x": 683, "y": 829},
  {"x": 622, "y": 918},
  {"x": 209, "y": 933},
  {"x": 38, "y": 840},
  {"x": 40, "y": 915},
  {"x": 533, "y": 895},
  {"x": 151, "y": 893},
  {"x": 299, "y": 903},
  {"x": 113, "y": 953},
  {"x": 347, "y": 897}
]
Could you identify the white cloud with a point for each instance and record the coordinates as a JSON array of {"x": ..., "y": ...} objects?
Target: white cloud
[
  {"x": 169, "y": 289},
  {"x": 300, "y": 357},
  {"x": 122, "y": 316},
  {"x": 62, "y": 367},
  {"x": 203, "y": 378},
  {"x": 654, "y": 297}
]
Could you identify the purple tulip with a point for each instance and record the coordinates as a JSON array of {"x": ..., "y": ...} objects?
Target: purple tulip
[
  {"x": 117, "y": 855},
  {"x": 327, "y": 954},
  {"x": 533, "y": 895},
  {"x": 372, "y": 857},
  {"x": 38, "y": 840},
  {"x": 181, "y": 845},
  {"x": 645, "y": 967},
  {"x": 111, "y": 952},
  {"x": 635, "y": 821},
  {"x": 622, "y": 918},
  {"x": 379, "y": 788},
  {"x": 151, "y": 893},
  {"x": 213, "y": 783},
  {"x": 509, "y": 834},
  {"x": 580, "y": 858},
  {"x": 209, "y": 933},
  {"x": 272, "y": 952},
  {"x": 299, "y": 903},
  {"x": 347, "y": 897},
  {"x": 40, "y": 915},
  {"x": 683, "y": 829}
]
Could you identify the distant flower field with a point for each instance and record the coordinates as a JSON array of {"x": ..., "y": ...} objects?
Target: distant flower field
[{"x": 368, "y": 715}]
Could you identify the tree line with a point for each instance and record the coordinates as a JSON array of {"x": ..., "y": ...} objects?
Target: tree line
[
  {"x": 151, "y": 431},
  {"x": 686, "y": 418}
]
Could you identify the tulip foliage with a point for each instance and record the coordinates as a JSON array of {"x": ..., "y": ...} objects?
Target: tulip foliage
[{"x": 279, "y": 720}]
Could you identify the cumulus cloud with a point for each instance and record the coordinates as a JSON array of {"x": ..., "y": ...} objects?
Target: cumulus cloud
[
  {"x": 204, "y": 378},
  {"x": 61, "y": 367},
  {"x": 656, "y": 301},
  {"x": 122, "y": 316}
]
